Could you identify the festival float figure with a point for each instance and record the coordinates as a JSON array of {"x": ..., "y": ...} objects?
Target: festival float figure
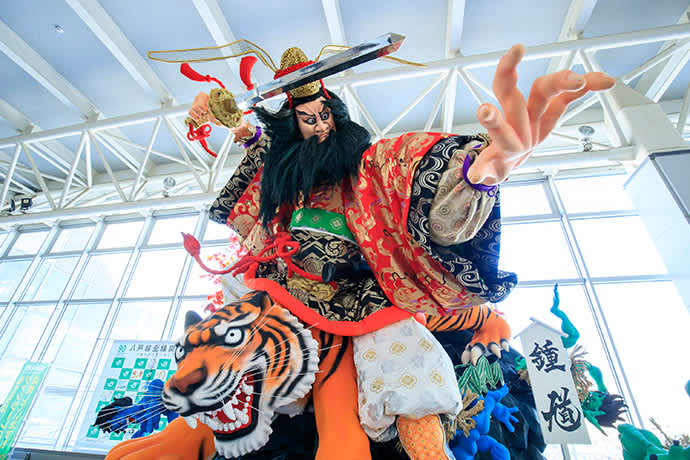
[{"x": 350, "y": 246}]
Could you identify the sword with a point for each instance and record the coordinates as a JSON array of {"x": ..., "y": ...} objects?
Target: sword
[
  {"x": 380, "y": 46},
  {"x": 228, "y": 108}
]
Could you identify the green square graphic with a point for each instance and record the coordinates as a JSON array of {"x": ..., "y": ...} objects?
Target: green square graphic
[
  {"x": 125, "y": 373},
  {"x": 110, "y": 384},
  {"x": 133, "y": 385},
  {"x": 163, "y": 363},
  {"x": 117, "y": 436},
  {"x": 148, "y": 374},
  {"x": 140, "y": 363},
  {"x": 118, "y": 363},
  {"x": 170, "y": 374},
  {"x": 119, "y": 394},
  {"x": 93, "y": 432}
]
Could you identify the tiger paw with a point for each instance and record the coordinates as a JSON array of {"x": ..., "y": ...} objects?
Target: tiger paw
[
  {"x": 488, "y": 339},
  {"x": 176, "y": 442}
]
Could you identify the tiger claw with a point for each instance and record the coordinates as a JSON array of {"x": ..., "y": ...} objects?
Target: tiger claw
[
  {"x": 495, "y": 349},
  {"x": 476, "y": 351},
  {"x": 505, "y": 345}
]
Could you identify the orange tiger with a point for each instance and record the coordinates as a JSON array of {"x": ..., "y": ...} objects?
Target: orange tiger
[{"x": 253, "y": 359}]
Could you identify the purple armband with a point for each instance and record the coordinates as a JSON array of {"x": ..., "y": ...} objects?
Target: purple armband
[
  {"x": 489, "y": 189},
  {"x": 253, "y": 140}
]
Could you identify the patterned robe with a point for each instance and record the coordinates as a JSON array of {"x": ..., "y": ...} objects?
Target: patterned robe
[{"x": 430, "y": 240}]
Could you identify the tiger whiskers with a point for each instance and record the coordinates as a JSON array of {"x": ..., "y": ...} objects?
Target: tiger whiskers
[{"x": 159, "y": 409}]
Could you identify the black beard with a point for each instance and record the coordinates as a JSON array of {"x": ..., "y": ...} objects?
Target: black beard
[{"x": 292, "y": 169}]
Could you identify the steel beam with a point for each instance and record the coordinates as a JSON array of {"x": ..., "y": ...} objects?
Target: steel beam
[
  {"x": 531, "y": 53},
  {"x": 105, "y": 29}
]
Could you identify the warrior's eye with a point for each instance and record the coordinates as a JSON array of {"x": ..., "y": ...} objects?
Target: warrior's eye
[
  {"x": 325, "y": 116},
  {"x": 310, "y": 121},
  {"x": 179, "y": 353},
  {"x": 234, "y": 336}
]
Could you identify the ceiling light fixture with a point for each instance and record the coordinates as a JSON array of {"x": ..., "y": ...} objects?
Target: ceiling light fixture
[
  {"x": 586, "y": 133},
  {"x": 58, "y": 29}
]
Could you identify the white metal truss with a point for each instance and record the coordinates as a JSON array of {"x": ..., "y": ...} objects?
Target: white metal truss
[
  {"x": 102, "y": 25},
  {"x": 141, "y": 179}
]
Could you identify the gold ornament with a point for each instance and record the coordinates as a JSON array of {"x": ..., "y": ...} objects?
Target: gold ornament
[{"x": 294, "y": 56}]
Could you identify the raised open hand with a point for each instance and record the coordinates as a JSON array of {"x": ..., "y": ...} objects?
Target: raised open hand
[{"x": 524, "y": 124}]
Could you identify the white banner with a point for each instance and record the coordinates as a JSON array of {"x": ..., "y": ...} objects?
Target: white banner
[
  {"x": 128, "y": 370},
  {"x": 558, "y": 407}
]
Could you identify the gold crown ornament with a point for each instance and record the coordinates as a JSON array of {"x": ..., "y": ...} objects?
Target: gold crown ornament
[{"x": 294, "y": 59}]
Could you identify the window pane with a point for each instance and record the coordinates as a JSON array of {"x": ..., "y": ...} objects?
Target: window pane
[
  {"x": 197, "y": 306},
  {"x": 157, "y": 273},
  {"x": 617, "y": 247},
  {"x": 524, "y": 200},
  {"x": 50, "y": 279},
  {"x": 72, "y": 239},
  {"x": 18, "y": 342},
  {"x": 214, "y": 231},
  {"x": 140, "y": 321},
  {"x": 12, "y": 273},
  {"x": 73, "y": 340},
  {"x": 101, "y": 276},
  {"x": 594, "y": 194},
  {"x": 120, "y": 235},
  {"x": 28, "y": 243},
  {"x": 651, "y": 325},
  {"x": 536, "y": 251},
  {"x": 47, "y": 417},
  {"x": 167, "y": 231}
]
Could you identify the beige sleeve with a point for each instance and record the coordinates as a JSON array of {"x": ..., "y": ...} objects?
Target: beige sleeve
[{"x": 458, "y": 211}]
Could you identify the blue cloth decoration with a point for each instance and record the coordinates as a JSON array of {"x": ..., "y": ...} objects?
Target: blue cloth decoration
[{"x": 466, "y": 447}]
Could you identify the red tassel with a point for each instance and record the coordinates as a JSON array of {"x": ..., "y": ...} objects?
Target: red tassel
[
  {"x": 200, "y": 134},
  {"x": 246, "y": 66},
  {"x": 192, "y": 74}
]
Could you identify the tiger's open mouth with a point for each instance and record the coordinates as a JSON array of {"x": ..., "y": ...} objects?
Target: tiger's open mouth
[{"x": 239, "y": 411}]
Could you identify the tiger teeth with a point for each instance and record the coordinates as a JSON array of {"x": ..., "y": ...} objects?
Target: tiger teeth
[{"x": 229, "y": 412}]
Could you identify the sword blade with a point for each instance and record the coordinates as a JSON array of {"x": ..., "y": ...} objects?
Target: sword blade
[{"x": 346, "y": 59}]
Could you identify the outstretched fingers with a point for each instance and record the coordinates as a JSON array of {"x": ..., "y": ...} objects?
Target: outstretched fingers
[
  {"x": 546, "y": 88},
  {"x": 594, "y": 81},
  {"x": 509, "y": 96}
]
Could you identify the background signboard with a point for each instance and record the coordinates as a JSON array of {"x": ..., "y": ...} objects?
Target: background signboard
[{"x": 129, "y": 368}]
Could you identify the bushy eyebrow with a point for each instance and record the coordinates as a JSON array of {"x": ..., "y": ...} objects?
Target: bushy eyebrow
[{"x": 299, "y": 112}]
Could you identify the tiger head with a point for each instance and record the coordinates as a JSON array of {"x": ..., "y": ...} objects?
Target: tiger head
[{"x": 236, "y": 368}]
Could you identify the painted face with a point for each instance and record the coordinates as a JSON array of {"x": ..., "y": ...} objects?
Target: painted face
[{"x": 314, "y": 119}]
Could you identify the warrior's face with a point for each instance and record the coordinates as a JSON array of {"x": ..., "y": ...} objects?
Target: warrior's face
[{"x": 314, "y": 119}]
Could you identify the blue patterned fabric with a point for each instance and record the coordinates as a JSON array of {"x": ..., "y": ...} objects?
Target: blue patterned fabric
[{"x": 475, "y": 262}]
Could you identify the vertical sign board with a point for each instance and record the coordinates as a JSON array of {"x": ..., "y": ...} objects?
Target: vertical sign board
[
  {"x": 558, "y": 407},
  {"x": 18, "y": 403},
  {"x": 129, "y": 368}
]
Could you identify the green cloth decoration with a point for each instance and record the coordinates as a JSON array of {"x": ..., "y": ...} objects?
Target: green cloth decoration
[
  {"x": 568, "y": 328},
  {"x": 322, "y": 220},
  {"x": 640, "y": 444},
  {"x": 596, "y": 375},
  {"x": 478, "y": 379}
]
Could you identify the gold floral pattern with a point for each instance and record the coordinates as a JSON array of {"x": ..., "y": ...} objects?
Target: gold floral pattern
[{"x": 407, "y": 380}]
